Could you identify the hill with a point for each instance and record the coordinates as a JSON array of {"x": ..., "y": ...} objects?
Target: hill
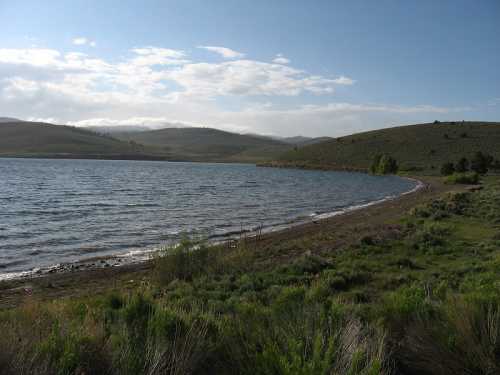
[
  {"x": 207, "y": 144},
  {"x": 8, "y": 119},
  {"x": 112, "y": 129},
  {"x": 33, "y": 139},
  {"x": 422, "y": 147},
  {"x": 303, "y": 141}
]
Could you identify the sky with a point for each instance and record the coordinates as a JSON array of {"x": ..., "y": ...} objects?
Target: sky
[{"x": 281, "y": 67}]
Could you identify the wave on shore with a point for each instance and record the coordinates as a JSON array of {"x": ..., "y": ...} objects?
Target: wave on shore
[{"x": 142, "y": 255}]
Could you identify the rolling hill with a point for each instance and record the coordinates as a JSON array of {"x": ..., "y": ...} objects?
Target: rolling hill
[
  {"x": 8, "y": 119},
  {"x": 33, "y": 139},
  {"x": 207, "y": 144},
  {"x": 422, "y": 147},
  {"x": 303, "y": 141}
]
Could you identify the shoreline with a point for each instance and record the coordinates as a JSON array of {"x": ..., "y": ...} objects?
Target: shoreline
[
  {"x": 131, "y": 258},
  {"x": 349, "y": 228}
]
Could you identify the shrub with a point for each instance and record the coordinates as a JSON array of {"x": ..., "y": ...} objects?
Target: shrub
[
  {"x": 437, "y": 209},
  {"x": 430, "y": 237},
  {"x": 307, "y": 264},
  {"x": 402, "y": 306},
  {"x": 318, "y": 340},
  {"x": 462, "y": 165},
  {"x": 447, "y": 169},
  {"x": 184, "y": 261},
  {"x": 463, "y": 339},
  {"x": 481, "y": 162},
  {"x": 463, "y": 178},
  {"x": 496, "y": 165},
  {"x": 384, "y": 164}
]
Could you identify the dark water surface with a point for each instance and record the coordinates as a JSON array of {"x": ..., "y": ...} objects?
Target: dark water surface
[{"x": 54, "y": 211}]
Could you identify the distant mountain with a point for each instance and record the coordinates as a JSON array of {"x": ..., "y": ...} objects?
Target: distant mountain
[
  {"x": 423, "y": 147},
  {"x": 303, "y": 141},
  {"x": 113, "y": 129},
  {"x": 34, "y": 139},
  {"x": 8, "y": 119},
  {"x": 208, "y": 144}
]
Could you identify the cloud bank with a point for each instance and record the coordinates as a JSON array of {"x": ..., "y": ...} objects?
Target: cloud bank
[{"x": 152, "y": 85}]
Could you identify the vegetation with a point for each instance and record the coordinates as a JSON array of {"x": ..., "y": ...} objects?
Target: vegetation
[
  {"x": 462, "y": 165},
  {"x": 463, "y": 178},
  {"x": 204, "y": 144},
  {"x": 480, "y": 165},
  {"x": 419, "y": 148},
  {"x": 29, "y": 139},
  {"x": 384, "y": 164},
  {"x": 38, "y": 139},
  {"x": 417, "y": 295},
  {"x": 447, "y": 169},
  {"x": 481, "y": 162},
  {"x": 420, "y": 297}
]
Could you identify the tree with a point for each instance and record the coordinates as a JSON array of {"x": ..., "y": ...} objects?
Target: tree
[
  {"x": 447, "y": 169},
  {"x": 375, "y": 163},
  {"x": 496, "y": 165},
  {"x": 384, "y": 164},
  {"x": 481, "y": 162},
  {"x": 462, "y": 165}
]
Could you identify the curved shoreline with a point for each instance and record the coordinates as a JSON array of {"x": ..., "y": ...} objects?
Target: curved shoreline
[
  {"x": 143, "y": 256},
  {"x": 342, "y": 232}
]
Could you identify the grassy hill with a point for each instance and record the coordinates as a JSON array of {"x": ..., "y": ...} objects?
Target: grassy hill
[
  {"x": 32, "y": 139},
  {"x": 422, "y": 147},
  {"x": 304, "y": 141},
  {"x": 209, "y": 144}
]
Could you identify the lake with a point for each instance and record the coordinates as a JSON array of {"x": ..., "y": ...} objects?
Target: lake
[{"x": 58, "y": 211}]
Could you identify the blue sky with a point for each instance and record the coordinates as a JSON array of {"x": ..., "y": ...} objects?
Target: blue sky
[{"x": 273, "y": 67}]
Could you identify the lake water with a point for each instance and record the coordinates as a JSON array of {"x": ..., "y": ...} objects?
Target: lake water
[{"x": 57, "y": 211}]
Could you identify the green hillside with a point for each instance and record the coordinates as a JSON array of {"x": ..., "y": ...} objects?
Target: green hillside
[
  {"x": 209, "y": 144},
  {"x": 33, "y": 139},
  {"x": 422, "y": 147}
]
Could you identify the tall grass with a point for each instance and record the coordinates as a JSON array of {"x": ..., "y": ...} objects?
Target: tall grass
[{"x": 464, "y": 339}]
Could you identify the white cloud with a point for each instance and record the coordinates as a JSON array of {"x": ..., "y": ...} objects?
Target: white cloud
[
  {"x": 227, "y": 53},
  {"x": 37, "y": 57},
  {"x": 47, "y": 120},
  {"x": 148, "y": 56},
  {"x": 280, "y": 59},
  {"x": 80, "y": 41},
  {"x": 152, "y": 85},
  {"x": 342, "y": 80},
  {"x": 152, "y": 122},
  {"x": 248, "y": 77}
]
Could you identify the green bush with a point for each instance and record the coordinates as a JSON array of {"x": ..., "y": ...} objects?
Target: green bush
[
  {"x": 185, "y": 261},
  {"x": 462, "y": 339},
  {"x": 319, "y": 340},
  {"x": 481, "y": 162},
  {"x": 447, "y": 169},
  {"x": 462, "y": 165},
  {"x": 431, "y": 237},
  {"x": 384, "y": 164},
  {"x": 463, "y": 178}
]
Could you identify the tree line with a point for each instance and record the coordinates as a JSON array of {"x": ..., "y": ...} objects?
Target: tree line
[{"x": 480, "y": 163}]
